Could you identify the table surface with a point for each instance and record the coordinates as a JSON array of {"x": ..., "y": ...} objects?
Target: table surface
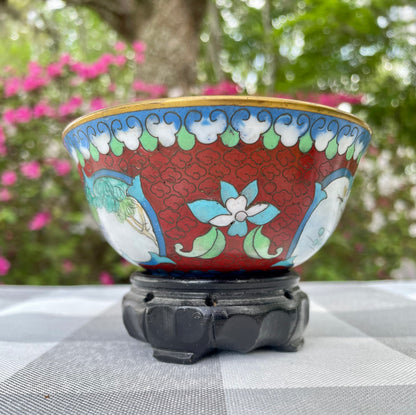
[{"x": 64, "y": 350}]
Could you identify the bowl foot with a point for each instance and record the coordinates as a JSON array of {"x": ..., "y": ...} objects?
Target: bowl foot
[{"x": 185, "y": 319}]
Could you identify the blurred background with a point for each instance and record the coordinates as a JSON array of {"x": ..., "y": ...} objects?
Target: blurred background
[{"x": 60, "y": 59}]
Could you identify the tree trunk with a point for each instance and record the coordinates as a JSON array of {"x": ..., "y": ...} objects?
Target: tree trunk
[
  {"x": 172, "y": 39},
  {"x": 215, "y": 40},
  {"x": 170, "y": 29}
]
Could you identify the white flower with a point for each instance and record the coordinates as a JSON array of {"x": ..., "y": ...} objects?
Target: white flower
[{"x": 238, "y": 211}]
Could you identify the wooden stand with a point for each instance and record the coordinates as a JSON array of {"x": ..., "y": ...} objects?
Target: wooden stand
[{"x": 185, "y": 319}]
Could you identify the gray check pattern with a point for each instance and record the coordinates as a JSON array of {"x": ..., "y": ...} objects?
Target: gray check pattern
[{"x": 65, "y": 351}]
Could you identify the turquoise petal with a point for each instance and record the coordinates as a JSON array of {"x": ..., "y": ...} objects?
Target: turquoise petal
[
  {"x": 266, "y": 216},
  {"x": 227, "y": 191},
  {"x": 287, "y": 263},
  {"x": 156, "y": 259},
  {"x": 238, "y": 228},
  {"x": 205, "y": 210},
  {"x": 250, "y": 192}
]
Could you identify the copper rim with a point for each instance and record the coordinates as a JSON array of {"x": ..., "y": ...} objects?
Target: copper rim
[{"x": 216, "y": 100}]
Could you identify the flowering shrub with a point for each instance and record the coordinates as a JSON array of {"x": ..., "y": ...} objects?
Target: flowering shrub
[{"x": 47, "y": 236}]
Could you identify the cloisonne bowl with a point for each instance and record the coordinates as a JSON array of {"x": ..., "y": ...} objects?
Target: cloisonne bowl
[{"x": 217, "y": 183}]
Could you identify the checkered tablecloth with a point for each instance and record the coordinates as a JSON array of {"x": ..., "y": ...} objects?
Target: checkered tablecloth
[{"x": 65, "y": 351}]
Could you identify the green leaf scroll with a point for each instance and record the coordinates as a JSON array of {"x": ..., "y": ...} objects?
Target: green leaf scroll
[
  {"x": 206, "y": 246},
  {"x": 256, "y": 245}
]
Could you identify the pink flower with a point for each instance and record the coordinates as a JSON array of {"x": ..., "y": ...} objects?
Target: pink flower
[
  {"x": 34, "y": 82},
  {"x": 35, "y": 78},
  {"x": 34, "y": 69},
  {"x": 106, "y": 278},
  {"x": 31, "y": 170},
  {"x": 97, "y": 103},
  {"x": 11, "y": 87},
  {"x": 62, "y": 167},
  {"x": 112, "y": 87},
  {"x": 140, "y": 86},
  {"x": 23, "y": 114},
  {"x": 120, "y": 46},
  {"x": 153, "y": 90},
  {"x": 92, "y": 70},
  {"x": 70, "y": 106},
  {"x": 9, "y": 116},
  {"x": 40, "y": 220},
  {"x": 81, "y": 70},
  {"x": 65, "y": 59},
  {"x": 75, "y": 101},
  {"x": 8, "y": 178},
  {"x": 54, "y": 69},
  {"x": 331, "y": 99},
  {"x": 76, "y": 66},
  {"x": 67, "y": 266},
  {"x": 156, "y": 91},
  {"x": 139, "y": 47},
  {"x": 119, "y": 60},
  {"x": 223, "y": 88},
  {"x": 5, "y": 195},
  {"x": 43, "y": 109},
  {"x": 4, "y": 266},
  {"x": 105, "y": 60}
]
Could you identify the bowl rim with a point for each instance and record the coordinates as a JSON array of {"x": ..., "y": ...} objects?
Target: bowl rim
[{"x": 208, "y": 100}]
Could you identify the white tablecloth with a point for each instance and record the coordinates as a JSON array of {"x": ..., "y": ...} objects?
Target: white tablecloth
[{"x": 64, "y": 350}]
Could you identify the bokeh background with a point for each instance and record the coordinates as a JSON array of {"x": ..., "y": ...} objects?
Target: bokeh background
[{"x": 60, "y": 59}]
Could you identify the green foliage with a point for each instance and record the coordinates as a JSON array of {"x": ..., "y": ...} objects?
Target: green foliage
[
  {"x": 65, "y": 247},
  {"x": 359, "y": 47}
]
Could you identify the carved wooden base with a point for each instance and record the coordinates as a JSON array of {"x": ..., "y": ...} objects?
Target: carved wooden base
[{"x": 186, "y": 319}]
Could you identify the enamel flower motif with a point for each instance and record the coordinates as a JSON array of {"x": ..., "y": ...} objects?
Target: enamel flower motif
[{"x": 236, "y": 209}]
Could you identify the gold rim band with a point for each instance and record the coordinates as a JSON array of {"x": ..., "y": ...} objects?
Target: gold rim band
[{"x": 213, "y": 100}]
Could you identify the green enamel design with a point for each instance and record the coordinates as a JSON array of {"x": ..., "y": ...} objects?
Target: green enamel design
[
  {"x": 186, "y": 140},
  {"x": 256, "y": 245},
  {"x": 94, "y": 153},
  {"x": 80, "y": 158},
  {"x": 305, "y": 143},
  {"x": 350, "y": 152},
  {"x": 149, "y": 142},
  {"x": 206, "y": 246},
  {"x": 126, "y": 209},
  {"x": 116, "y": 147},
  {"x": 230, "y": 137},
  {"x": 331, "y": 149},
  {"x": 270, "y": 139}
]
